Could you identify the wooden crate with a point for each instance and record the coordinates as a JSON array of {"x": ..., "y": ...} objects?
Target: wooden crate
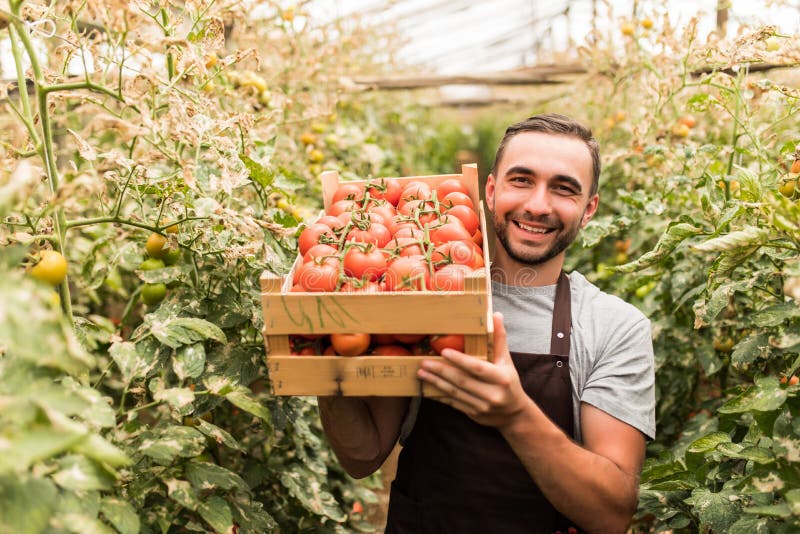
[{"x": 416, "y": 312}]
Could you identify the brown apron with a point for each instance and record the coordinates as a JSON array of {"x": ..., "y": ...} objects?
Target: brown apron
[{"x": 457, "y": 476}]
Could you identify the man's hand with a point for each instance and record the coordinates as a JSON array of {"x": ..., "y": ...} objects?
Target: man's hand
[{"x": 489, "y": 393}]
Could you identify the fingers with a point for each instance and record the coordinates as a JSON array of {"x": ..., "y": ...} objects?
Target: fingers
[
  {"x": 501, "y": 354},
  {"x": 458, "y": 391}
]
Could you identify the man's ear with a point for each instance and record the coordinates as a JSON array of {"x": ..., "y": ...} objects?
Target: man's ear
[
  {"x": 591, "y": 209},
  {"x": 489, "y": 192}
]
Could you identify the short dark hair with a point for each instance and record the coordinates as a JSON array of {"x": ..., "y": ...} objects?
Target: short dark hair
[{"x": 556, "y": 124}]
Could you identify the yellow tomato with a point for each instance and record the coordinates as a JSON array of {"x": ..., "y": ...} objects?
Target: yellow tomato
[{"x": 51, "y": 267}]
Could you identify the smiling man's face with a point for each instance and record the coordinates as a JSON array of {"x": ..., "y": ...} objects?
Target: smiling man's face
[{"x": 540, "y": 199}]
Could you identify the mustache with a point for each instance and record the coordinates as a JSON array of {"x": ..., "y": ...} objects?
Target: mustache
[{"x": 549, "y": 221}]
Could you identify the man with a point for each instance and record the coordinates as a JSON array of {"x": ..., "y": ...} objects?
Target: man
[{"x": 550, "y": 435}]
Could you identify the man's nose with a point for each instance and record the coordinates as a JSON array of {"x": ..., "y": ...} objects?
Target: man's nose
[{"x": 539, "y": 202}]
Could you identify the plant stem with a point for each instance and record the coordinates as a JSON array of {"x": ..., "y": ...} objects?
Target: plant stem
[{"x": 46, "y": 149}]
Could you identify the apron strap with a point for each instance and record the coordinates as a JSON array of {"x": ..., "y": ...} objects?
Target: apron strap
[{"x": 562, "y": 317}]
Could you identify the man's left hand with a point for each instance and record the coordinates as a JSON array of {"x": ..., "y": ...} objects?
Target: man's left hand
[{"x": 490, "y": 393}]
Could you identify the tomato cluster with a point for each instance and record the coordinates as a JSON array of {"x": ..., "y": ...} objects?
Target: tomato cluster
[
  {"x": 388, "y": 235},
  {"x": 374, "y": 344},
  {"x": 383, "y": 236}
]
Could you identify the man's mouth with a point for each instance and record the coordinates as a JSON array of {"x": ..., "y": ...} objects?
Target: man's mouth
[{"x": 533, "y": 229}]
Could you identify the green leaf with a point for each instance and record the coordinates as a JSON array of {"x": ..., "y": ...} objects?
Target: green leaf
[
  {"x": 252, "y": 517},
  {"x": 781, "y": 510},
  {"x": 754, "y": 454},
  {"x": 709, "y": 443},
  {"x": 793, "y": 500},
  {"x": 750, "y": 525},
  {"x": 715, "y": 510},
  {"x": 79, "y": 523},
  {"x": 218, "y": 434},
  {"x": 100, "y": 450},
  {"x": 182, "y": 492},
  {"x": 776, "y": 315},
  {"x": 748, "y": 237},
  {"x": 240, "y": 397},
  {"x": 131, "y": 362},
  {"x": 120, "y": 514},
  {"x": 26, "y": 504},
  {"x": 305, "y": 487},
  {"x": 676, "y": 233},
  {"x": 36, "y": 444},
  {"x": 178, "y": 398},
  {"x": 749, "y": 350},
  {"x": 206, "y": 476},
  {"x": 169, "y": 442},
  {"x": 766, "y": 395},
  {"x": 258, "y": 173},
  {"x": 189, "y": 361},
  {"x": 185, "y": 331},
  {"x": 749, "y": 186},
  {"x": 79, "y": 473},
  {"x": 216, "y": 512}
]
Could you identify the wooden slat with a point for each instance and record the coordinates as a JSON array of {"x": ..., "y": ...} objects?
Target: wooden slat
[
  {"x": 384, "y": 313},
  {"x": 355, "y": 376}
]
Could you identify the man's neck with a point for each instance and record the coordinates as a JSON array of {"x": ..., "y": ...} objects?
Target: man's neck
[{"x": 513, "y": 273}]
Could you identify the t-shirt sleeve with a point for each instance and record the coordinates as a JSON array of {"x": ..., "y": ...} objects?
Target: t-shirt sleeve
[{"x": 622, "y": 380}]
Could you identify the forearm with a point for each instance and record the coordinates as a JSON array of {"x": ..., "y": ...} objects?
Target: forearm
[
  {"x": 586, "y": 487},
  {"x": 362, "y": 430}
]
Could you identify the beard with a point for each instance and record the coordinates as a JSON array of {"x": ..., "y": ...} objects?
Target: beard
[{"x": 521, "y": 254}]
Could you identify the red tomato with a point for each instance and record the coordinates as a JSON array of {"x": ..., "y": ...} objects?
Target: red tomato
[
  {"x": 463, "y": 252},
  {"x": 408, "y": 273},
  {"x": 408, "y": 229},
  {"x": 455, "y": 198},
  {"x": 312, "y": 235},
  {"x": 333, "y": 222},
  {"x": 450, "y": 277},
  {"x": 306, "y": 351},
  {"x": 450, "y": 341},
  {"x": 448, "y": 186},
  {"x": 377, "y": 234},
  {"x": 351, "y": 191},
  {"x": 364, "y": 262},
  {"x": 385, "y": 210},
  {"x": 391, "y": 350},
  {"x": 313, "y": 277},
  {"x": 360, "y": 286},
  {"x": 329, "y": 351},
  {"x": 341, "y": 206},
  {"x": 406, "y": 246},
  {"x": 350, "y": 344},
  {"x": 412, "y": 191},
  {"x": 409, "y": 338},
  {"x": 448, "y": 232},
  {"x": 467, "y": 216},
  {"x": 383, "y": 339},
  {"x": 477, "y": 238},
  {"x": 320, "y": 251},
  {"x": 425, "y": 210},
  {"x": 388, "y": 189}
]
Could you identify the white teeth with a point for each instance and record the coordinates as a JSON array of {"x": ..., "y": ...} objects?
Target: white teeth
[{"x": 533, "y": 229}]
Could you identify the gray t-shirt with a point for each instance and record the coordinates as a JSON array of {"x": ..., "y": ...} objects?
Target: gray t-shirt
[{"x": 611, "y": 350}]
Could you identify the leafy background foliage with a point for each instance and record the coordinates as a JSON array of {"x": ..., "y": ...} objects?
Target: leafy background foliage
[{"x": 121, "y": 416}]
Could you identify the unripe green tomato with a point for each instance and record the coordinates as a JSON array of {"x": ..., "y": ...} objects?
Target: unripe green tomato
[
  {"x": 153, "y": 293},
  {"x": 788, "y": 187},
  {"x": 172, "y": 256},
  {"x": 151, "y": 264},
  {"x": 51, "y": 268}
]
